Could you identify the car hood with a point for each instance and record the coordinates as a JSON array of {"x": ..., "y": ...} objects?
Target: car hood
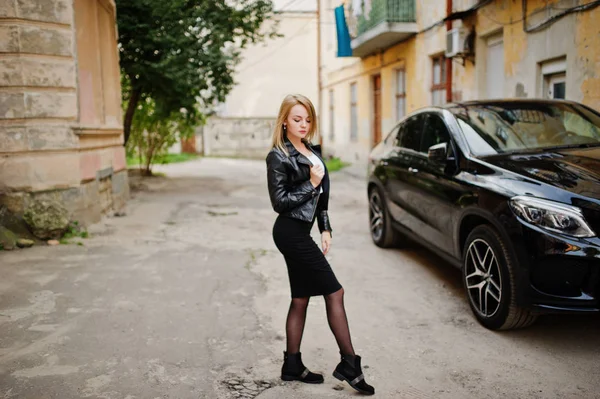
[{"x": 573, "y": 170}]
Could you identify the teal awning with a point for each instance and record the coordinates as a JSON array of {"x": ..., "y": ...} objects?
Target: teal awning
[{"x": 343, "y": 36}]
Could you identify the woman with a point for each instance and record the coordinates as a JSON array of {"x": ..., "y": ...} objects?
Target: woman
[{"x": 299, "y": 191}]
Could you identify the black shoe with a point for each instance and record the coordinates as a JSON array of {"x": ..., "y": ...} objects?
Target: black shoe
[
  {"x": 294, "y": 370},
  {"x": 350, "y": 370}
]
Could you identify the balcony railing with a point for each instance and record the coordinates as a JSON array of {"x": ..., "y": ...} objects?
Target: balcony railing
[
  {"x": 387, "y": 11},
  {"x": 382, "y": 23}
]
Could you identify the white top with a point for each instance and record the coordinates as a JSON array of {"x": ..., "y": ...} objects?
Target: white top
[{"x": 315, "y": 160}]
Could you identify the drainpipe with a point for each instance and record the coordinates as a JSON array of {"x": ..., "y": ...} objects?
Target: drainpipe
[
  {"x": 448, "y": 60},
  {"x": 319, "y": 82}
]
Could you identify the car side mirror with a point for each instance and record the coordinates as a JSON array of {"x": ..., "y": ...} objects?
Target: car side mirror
[{"x": 438, "y": 153}]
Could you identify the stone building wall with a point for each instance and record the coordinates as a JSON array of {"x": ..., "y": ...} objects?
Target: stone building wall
[
  {"x": 238, "y": 137},
  {"x": 61, "y": 133}
]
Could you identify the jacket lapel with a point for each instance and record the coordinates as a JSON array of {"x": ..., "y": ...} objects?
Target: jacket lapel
[
  {"x": 316, "y": 149},
  {"x": 296, "y": 154}
]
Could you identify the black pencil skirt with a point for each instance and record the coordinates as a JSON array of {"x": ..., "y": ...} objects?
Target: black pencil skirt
[{"x": 308, "y": 270}]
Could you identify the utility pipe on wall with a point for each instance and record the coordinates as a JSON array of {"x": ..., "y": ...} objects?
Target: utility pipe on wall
[
  {"x": 448, "y": 60},
  {"x": 319, "y": 82}
]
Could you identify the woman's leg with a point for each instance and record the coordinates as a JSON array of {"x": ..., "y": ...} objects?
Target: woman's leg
[
  {"x": 338, "y": 322},
  {"x": 293, "y": 368},
  {"x": 350, "y": 368},
  {"x": 294, "y": 327}
]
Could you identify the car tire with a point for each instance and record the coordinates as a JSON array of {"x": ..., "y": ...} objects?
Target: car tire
[
  {"x": 488, "y": 271},
  {"x": 380, "y": 224}
]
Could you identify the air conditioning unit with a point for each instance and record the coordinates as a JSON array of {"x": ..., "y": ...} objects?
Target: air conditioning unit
[{"x": 456, "y": 42}]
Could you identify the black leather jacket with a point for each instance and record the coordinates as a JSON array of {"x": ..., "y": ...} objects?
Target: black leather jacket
[{"x": 291, "y": 192}]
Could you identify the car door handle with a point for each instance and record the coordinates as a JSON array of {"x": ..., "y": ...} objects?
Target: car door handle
[{"x": 413, "y": 170}]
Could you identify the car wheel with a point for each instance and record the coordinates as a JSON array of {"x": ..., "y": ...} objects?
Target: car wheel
[
  {"x": 382, "y": 232},
  {"x": 489, "y": 281}
]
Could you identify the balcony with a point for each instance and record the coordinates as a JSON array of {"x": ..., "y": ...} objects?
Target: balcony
[{"x": 383, "y": 24}]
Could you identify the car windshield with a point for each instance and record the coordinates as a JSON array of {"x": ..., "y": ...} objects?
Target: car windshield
[{"x": 497, "y": 128}]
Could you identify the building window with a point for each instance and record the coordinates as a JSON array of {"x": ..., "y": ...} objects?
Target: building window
[
  {"x": 353, "y": 112},
  {"x": 400, "y": 94},
  {"x": 494, "y": 66},
  {"x": 438, "y": 87},
  {"x": 331, "y": 117},
  {"x": 554, "y": 79}
]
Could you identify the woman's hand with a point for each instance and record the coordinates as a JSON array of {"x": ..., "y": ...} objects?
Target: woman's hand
[
  {"x": 326, "y": 241},
  {"x": 316, "y": 175}
]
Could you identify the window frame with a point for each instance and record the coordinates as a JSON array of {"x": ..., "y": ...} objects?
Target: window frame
[
  {"x": 441, "y": 86},
  {"x": 551, "y": 70},
  {"x": 552, "y": 79}
]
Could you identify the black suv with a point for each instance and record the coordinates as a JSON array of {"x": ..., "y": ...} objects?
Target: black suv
[{"x": 508, "y": 191}]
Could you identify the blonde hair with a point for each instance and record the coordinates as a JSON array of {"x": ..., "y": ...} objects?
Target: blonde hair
[{"x": 284, "y": 110}]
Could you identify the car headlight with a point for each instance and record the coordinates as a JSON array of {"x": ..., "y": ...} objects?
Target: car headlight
[{"x": 552, "y": 216}]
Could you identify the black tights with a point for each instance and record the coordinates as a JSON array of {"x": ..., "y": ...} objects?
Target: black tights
[{"x": 336, "y": 316}]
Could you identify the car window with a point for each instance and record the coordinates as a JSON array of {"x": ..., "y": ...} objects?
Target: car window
[
  {"x": 477, "y": 142},
  {"x": 523, "y": 126},
  {"x": 410, "y": 133},
  {"x": 435, "y": 132},
  {"x": 577, "y": 123},
  {"x": 393, "y": 137}
]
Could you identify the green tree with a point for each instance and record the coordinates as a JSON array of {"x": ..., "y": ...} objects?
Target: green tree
[
  {"x": 181, "y": 54},
  {"x": 152, "y": 134}
]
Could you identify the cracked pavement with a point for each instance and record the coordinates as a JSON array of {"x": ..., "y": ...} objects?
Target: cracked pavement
[{"x": 186, "y": 297}]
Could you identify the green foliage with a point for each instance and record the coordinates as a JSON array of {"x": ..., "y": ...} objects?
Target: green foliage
[
  {"x": 74, "y": 231},
  {"x": 335, "y": 164},
  {"x": 176, "y": 158},
  {"x": 178, "y": 57},
  {"x": 163, "y": 159},
  {"x": 152, "y": 134}
]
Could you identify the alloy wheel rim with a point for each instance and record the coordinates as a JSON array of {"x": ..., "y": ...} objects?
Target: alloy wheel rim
[
  {"x": 483, "y": 278},
  {"x": 376, "y": 216}
]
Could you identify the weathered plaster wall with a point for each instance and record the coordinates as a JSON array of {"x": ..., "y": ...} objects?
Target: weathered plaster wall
[
  {"x": 60, "y": 114},
  {"x": 243, "y": 137},
  {"x": 267, "y": 73},
  {"x": 576, "y": 37},
  {"x": 271, "y": 70}
]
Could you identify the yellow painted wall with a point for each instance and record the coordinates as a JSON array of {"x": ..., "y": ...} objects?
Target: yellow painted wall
[
  {"x": 587, "y": 39},
  {"x": 576, "y": 37}
]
